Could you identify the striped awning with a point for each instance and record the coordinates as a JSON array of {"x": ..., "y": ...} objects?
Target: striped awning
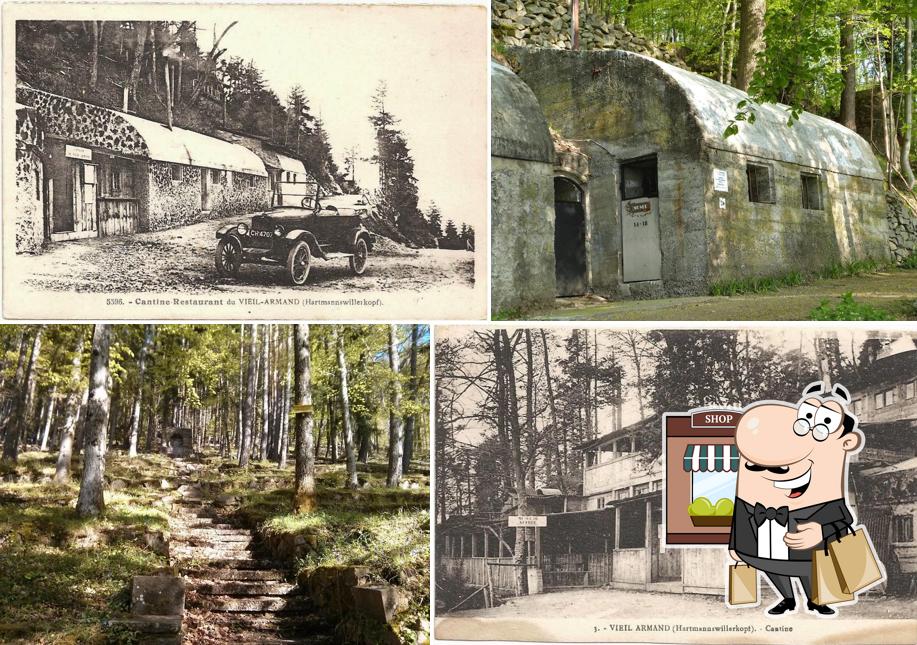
[{"x": 711, "y": 458}]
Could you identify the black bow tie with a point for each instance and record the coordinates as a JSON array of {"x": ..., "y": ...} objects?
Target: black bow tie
[{"x": 762, "y": 513}]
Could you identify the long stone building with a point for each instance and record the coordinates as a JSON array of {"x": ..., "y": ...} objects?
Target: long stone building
[
  {"x": 87, "y": 171},
  {"x": 646, "y": 197}
]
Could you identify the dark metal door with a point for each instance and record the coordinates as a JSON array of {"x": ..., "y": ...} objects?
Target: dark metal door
[{"x": 569, "y": 239}]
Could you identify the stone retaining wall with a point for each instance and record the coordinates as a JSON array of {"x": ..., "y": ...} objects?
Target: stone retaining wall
[
  {"x": 546, "y": 23},
  {"x": 902, "y": 228}
]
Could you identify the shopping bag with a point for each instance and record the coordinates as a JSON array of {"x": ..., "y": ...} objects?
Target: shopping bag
[
  {"x": 855, "y": 561},
  {"x": 827, "y": 587},
  {"x": 743, "y": 585}
]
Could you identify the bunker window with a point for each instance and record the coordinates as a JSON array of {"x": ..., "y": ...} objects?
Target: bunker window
[
  {"x": 760, "y": 184},
  {"x": 176, "y": 172},
  {"x": 903, "y": 528},
  {"x": 811, "y": 191},
  {"x": 639, "y": 179}
]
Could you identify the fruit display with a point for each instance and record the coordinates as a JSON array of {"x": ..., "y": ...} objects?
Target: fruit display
[{"x": 704, "y": 513}]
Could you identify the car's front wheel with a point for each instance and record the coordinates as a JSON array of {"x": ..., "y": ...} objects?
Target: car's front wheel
[
  {"x": 358, "y": 259},
  {"x": 228, "y": 257},
  {"x": 299, "y": 261}
]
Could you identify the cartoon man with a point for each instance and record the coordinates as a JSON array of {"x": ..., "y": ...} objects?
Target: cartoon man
[{"x": 790, "y": 493}]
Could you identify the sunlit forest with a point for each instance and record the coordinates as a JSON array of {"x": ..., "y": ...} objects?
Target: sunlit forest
[{"x": 250, "y": 459}]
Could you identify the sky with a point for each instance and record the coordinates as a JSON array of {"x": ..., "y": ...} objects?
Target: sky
[
  {"x": 785, "y": 340},
  {"x": 433, "y": 60}
]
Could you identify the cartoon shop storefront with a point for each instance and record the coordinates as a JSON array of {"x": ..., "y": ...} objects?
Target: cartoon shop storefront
[{"x": 701, "y": 465}]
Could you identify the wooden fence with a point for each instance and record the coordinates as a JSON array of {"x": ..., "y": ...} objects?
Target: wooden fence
[
  {"x": 118, "y": 216},
  {"x": 473, "y": 571}
]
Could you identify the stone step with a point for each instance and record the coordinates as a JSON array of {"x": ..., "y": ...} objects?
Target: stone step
[
  {"x": 255, "y": 603},
  {"x": 210, "y": 531},
  {"x": 269, "y": 624},
  {"x": 206, "y": 539},
  {"x": 247, "y": 563},
  {"x": 244, "y": 588},
  {"x": 263, "y": 575},
  {"x": 255, "y": 638}
]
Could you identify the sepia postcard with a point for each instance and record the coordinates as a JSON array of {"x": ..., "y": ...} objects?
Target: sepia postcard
[
  {"x": 675, "y": 486},
  {"x": 228, "y": 161}
]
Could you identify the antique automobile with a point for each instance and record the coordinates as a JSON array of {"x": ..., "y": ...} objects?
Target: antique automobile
[{"x": 330, "y": 228}]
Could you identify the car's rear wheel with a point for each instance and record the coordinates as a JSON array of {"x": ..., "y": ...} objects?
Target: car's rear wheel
[
  {"x": 228, "y": 257},
  {"x": 358, "y": 259},
  {"x": 299, "y": 261}
]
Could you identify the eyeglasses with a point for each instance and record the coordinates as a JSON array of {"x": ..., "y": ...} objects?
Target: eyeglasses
[{"x": 819, "y": 432}]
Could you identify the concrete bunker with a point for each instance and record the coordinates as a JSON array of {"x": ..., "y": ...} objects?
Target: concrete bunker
[{"x": 669, "y": 205}]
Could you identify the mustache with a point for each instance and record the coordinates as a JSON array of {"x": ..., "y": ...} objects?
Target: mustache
[{"x": 777, "y": 470}]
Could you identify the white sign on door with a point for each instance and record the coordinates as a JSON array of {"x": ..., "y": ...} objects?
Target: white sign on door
[
  {"x": 76, "y": 152},
  {"x": 527, "y": 521},
  {"x": 720, "y": 180}
]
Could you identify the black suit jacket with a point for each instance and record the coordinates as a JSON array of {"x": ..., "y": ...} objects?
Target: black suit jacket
[{"x": 744, "y": 536}]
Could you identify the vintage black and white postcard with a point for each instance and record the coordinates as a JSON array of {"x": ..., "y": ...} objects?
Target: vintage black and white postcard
[
  {"x": 245, "y": 161},
  {"x": 675, "y": 485}
]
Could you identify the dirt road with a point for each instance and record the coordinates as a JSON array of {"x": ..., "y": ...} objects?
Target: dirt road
[{"x": 182, "y": 260}]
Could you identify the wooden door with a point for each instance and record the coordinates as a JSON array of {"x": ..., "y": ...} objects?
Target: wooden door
[{"x": 84, "y": 197}]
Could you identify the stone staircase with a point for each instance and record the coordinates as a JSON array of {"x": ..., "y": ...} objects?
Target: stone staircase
[{"x": 232, "y": 594}]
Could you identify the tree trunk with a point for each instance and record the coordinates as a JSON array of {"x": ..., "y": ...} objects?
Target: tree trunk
[
  {"x": 94, "y": 63},
  {"x": 345, "y": 411},
  {"x": 285, "y": 410},
  {"x": 411, "y": 421},
  {"x": 849, "y": 71},
  {"x": 91, "y": 501},
  {"x": 49, "y": 418},
  {"x": 395, "y": 429},
  {"x": 14, "y": 417},
  {"x": 248, "y": 404},
  {"x": 574, "y": 25},
  {"x": 265, "y": 390},
  {"x": 71, "y": 411},
  {"x": 142, "y": 34},
  {"x": 148, "y": 334},
  {"x": 31, "y": 381},
  {"x": 906, "y": 170},
  {"x": 304, "y": 481},
  {"x": 751, "y": 40}
]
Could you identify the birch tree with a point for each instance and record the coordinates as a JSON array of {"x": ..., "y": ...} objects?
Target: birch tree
[
  {"x": 71, "y": 410},
  {"x": 148, "y": 335},
  {"x": 395, "y": 427}
]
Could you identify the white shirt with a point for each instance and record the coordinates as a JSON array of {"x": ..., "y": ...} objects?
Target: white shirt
[{"x": 770, "y": 541}]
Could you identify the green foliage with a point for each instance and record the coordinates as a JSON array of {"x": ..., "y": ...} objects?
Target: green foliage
[
  {"x": 770, "y": 284},
  {"x": 62, "y": 576},
  {"x": 847, "y": 309},
  {"x": 910, "y": 262}
]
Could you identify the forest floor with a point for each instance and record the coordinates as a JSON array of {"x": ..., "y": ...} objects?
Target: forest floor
[
  {"x": 894, "y": 292},
  {"x": 182, "y": 259},
  {"x": 62, "y": 579}
]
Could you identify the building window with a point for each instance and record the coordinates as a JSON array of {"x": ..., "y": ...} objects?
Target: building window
[
  {"x": 250, "y": 180},
  {"x": 639, "y": 179},
  {"x": 600, "y": 502},
  {"x": 857, "y": 406},
  {"x": 114, "y": 181},
  {"x": 891, "y": 396},
  {"x": 622, "y": 493},
  {"x": 760, "y": 184},
  {"x": 656, "y": 485},
  {"x": 880, "y": 400},
  {"x": 216, "y": 176},
  {"x": 176, "y": 172},
  {"x": 903, "y": 528},
  {"x": 641, "y": 489},
  {"x": 910, "y": 389},
  {"x": 811, "y": 192}
]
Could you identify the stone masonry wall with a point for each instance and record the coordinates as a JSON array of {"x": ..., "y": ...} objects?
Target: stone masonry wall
[
  {"x": 29, "y": 184},
  {"x": 546, "y": 23},
  {"x": 902, "y": 228}
]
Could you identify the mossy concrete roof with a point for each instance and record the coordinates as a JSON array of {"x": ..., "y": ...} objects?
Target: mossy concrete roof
[{"x": 518, "y": 126}]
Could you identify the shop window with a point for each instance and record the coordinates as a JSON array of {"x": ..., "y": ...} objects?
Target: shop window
[
  {"x": 713, "y": 471},
  {"x": 760, "y": 184},
  {"x": 811, "y": 192},
  {"x": 633, "y": 526},
  {"x": 903, "y": 528}
]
